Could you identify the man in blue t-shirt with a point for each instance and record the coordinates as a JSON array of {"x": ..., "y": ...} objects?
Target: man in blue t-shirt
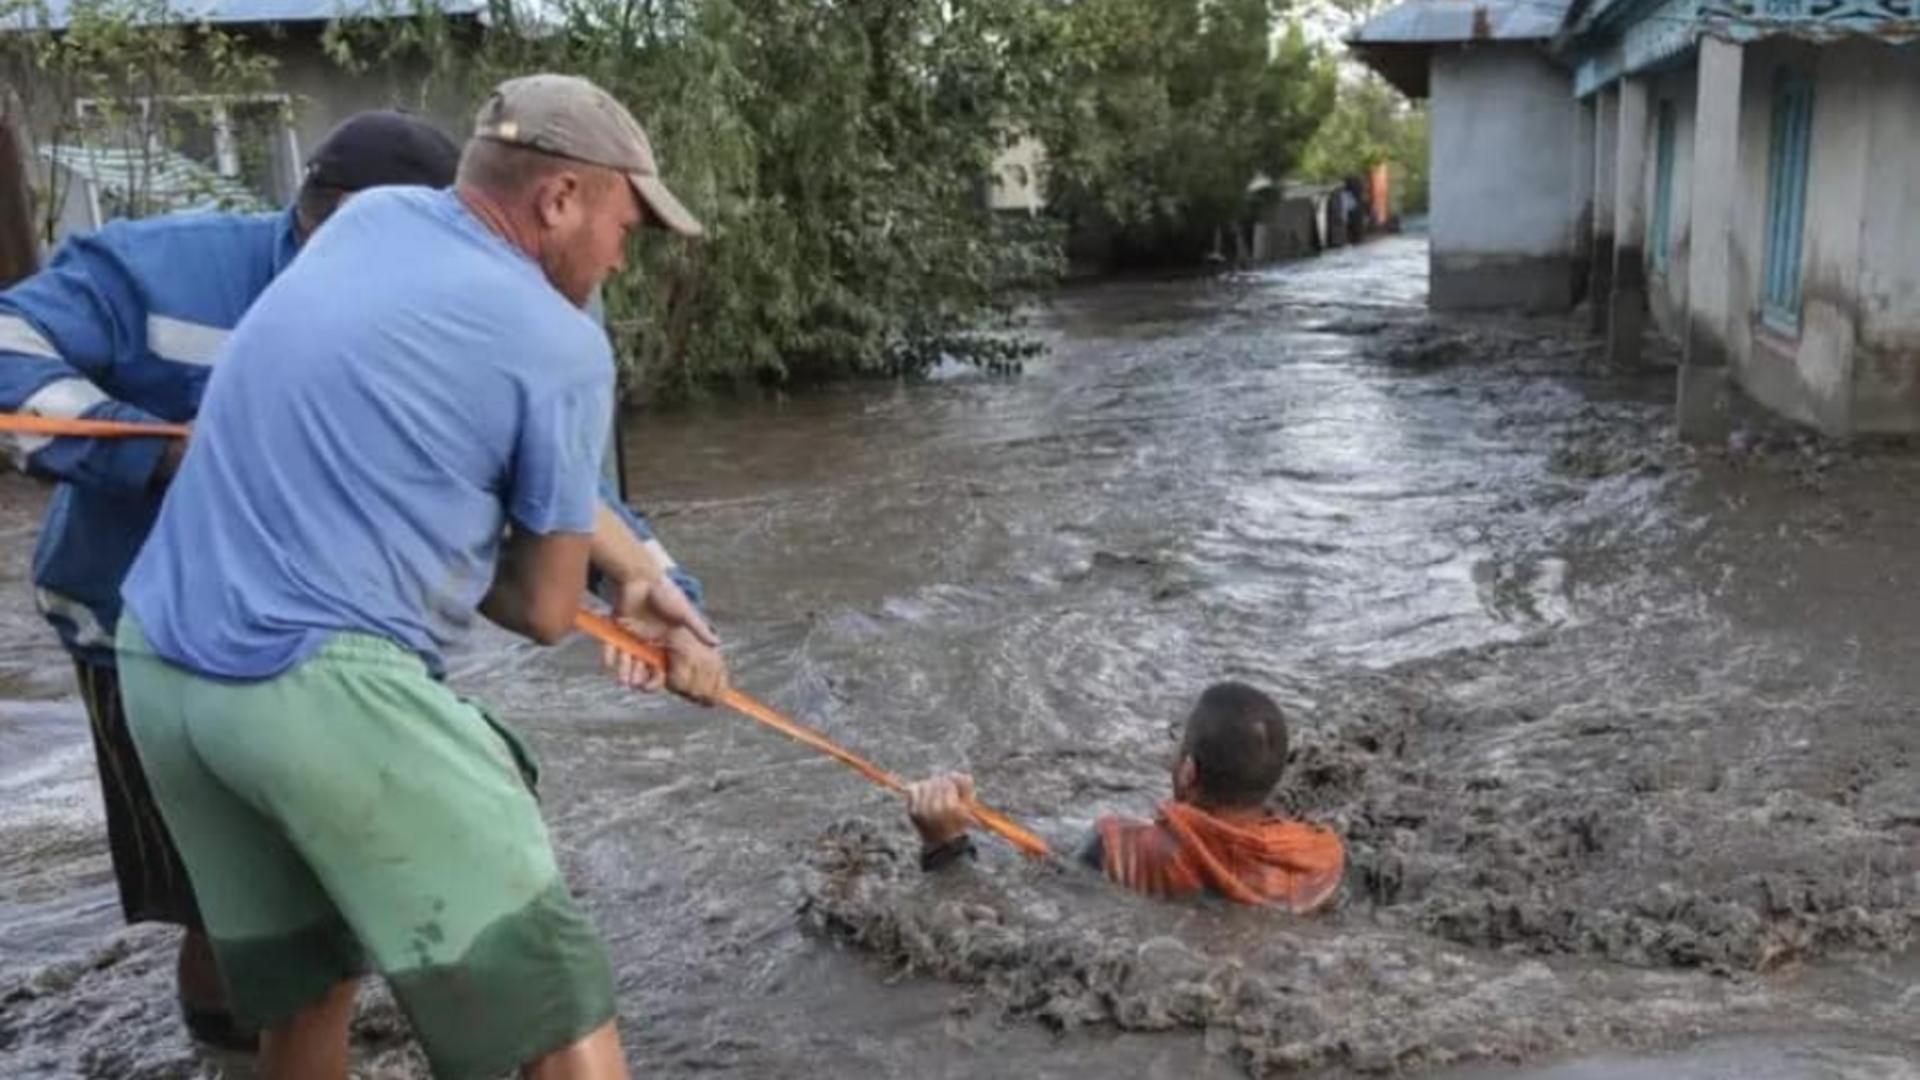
[
  {"x": 406, "y": 429},
  {"x": 123, "y": 324}
]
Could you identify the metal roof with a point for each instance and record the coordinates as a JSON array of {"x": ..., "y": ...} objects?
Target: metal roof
[
  {"x": 1399, "y": 41},
  {"x": 1437, "y": 22},
  {"x": 167, "y": 180},
  {"x": 1608, "y": 39},
  {"x": 235, "y": 12}
]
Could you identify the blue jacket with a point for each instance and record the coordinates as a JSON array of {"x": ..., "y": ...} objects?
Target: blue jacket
[{"x": 124, "y": 324}]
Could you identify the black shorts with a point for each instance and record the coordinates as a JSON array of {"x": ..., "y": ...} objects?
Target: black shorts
[{"x": 152, "y": 879}]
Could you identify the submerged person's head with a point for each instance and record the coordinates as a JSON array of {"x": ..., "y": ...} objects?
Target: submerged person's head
[
  {"x": 372, "y": 149},
  {"x": 571, "y": 175},
  {"x": 1233, "y": 751}
]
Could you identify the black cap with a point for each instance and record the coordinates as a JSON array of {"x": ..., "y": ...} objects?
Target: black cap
[{"x": 372, "y": 149}]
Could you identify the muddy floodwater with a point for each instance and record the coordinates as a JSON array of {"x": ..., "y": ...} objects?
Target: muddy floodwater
[{"x": 1623, "y": 736}]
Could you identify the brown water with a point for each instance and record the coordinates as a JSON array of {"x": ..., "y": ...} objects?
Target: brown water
[{"x": 1619, "y": 734}]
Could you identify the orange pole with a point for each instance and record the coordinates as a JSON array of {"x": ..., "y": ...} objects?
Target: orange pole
[
  {"x": 28, "y": 424},
  {"x": 599, "y": 627},
  {"x": 611, "y": 633}
]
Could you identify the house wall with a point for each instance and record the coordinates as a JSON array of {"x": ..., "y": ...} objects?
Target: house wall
[
  {"x": 1582, "y": 114},
  {"x": 323, "y": 95},
  {"x": 1854, "y": 365},
  {"x": 1288, "y": 228},
  {"x": 1501, "y": 186},
  {"x": 1884, "y": 306},
  {"x": 1765, "y": 363},
  {"x": 1830, "y": 271},
  {"x": 76, "y": 209},
  {"x": 1600, "y": 246},
  {"x": 1667, "y": 287}
]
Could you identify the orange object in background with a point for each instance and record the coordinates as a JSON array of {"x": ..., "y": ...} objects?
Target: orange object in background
[{"x": 1382, "y": 191}]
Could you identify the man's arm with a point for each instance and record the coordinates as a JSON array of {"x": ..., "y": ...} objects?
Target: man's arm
[
  {"x": 619, "y": 555},
  {"x": 650, "y": 604},
  {"x": 642, "y": 530},
  {"x": 537, "y": 584},
  {"x": 938, "y": 810},
  {"x": 62, "y": 331},
  {"x": 551, "y": 503},
  {"x": 1092, "y": 852}
]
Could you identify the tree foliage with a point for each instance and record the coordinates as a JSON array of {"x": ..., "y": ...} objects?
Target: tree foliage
[
  {"x": 1165, "y": 111},
  {"x": 839, "y": 151},
  {"x": 1372, "y": 124},
  {"x": 836, "y": 151},
  {"x": 115, "y": 86}
]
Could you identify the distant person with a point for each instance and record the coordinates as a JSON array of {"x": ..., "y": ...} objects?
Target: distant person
[
  {"x": 1339, "y": 209},
  {"x": 405, "y": 433},
  {"x": 123, "y": 325},
  {"x": 1356, "y": 208},
  {"x": 1215, "y": 836}
]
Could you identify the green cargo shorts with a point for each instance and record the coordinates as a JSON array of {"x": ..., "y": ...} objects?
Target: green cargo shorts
[{"x": 354, "y": 813}]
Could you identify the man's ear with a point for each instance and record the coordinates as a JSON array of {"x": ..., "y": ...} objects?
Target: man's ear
[
  {"x": 1186, "y": 776},
  {"x": 559, "y": 198}
]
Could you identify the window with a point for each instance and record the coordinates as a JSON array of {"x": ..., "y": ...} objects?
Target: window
[
  {"x": 1662, "y": 186},
  {"x": 245, "y": 142},
  {"x": 262, "y": 150},
  {"x": 1787, "y": 163}
]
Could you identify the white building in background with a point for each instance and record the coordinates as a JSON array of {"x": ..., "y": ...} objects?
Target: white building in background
[
  {"x": 1744, "y": 173},
  {"x": 1017, "y": 176},
  {"x": 1500, "y": 145}
]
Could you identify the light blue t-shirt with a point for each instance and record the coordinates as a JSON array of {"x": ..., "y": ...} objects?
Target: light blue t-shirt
[{"x": 409, "y": 385}]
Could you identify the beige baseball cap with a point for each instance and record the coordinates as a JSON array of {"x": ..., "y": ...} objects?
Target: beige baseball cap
[{"x": 569, "y": 117}]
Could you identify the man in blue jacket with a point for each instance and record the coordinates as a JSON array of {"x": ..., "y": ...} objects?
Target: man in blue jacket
[{"x": 124, "y": 324}]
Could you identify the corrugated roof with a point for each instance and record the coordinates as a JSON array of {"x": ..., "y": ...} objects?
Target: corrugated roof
[
  {"x": 1398, "y": 42},
  {"x": 170, "y": 181},
  {"x": 1436, "y": 22},
  {"x": 259, "y": 11}
]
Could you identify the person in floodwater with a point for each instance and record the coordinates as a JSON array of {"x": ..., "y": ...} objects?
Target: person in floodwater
[
  {"x": 122, "y": 326},
  {"x": 1214, "y": 836},
  {"x": 420, "y": 382}
]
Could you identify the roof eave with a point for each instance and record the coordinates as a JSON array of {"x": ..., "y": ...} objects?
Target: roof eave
[
  {"x": 1405, "y": 65},
  {"x": 476, "y": 11}
]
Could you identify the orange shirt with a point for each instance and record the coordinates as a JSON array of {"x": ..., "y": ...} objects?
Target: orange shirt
[{"x": 1186, "y": 850}]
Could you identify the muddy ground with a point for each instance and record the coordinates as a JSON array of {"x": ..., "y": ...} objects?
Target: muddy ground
[{"x": 1618, "y": 731}]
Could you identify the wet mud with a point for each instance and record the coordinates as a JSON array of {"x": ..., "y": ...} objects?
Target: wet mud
[
  {"x": 1535, "y": 836},
  {"x": 1336, "y": 996},
  {"x": 1619, "y": 732}
]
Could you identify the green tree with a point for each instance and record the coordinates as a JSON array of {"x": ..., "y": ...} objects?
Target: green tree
[
  {"x": 1165, "y": 111},
  {"x": 837, "y": 151},
  {"x": 1371, "y": 124}
]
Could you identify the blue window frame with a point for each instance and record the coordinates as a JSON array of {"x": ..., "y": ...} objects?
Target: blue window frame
[
  {"x": 1662, "y": 186},
  {"x": 1787, "y": 165}
]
